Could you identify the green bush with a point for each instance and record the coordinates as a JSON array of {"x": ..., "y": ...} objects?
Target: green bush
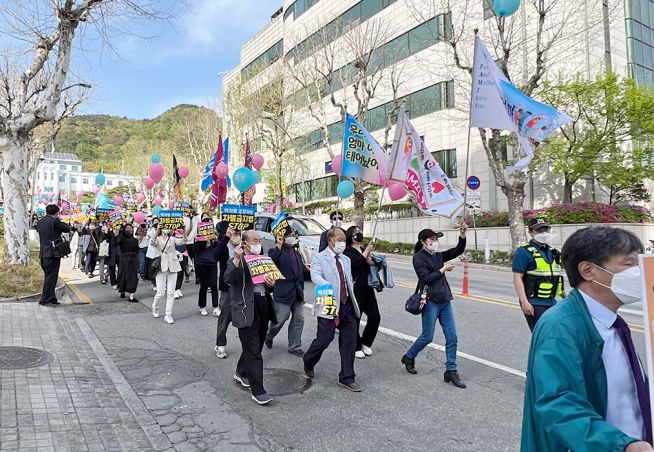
[
  {"x": 396, "y": 248},
  {"x": 496, "y": 257}
]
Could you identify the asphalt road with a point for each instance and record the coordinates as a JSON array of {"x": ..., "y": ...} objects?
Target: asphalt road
[{"x": 396, "y": 410}]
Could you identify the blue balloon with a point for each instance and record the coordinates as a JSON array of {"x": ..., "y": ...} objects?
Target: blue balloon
[
  {"x": 156, "y": 158},
  {"x": 100, "y": 179},
  {"x": 156, "y": 210},
  {"x": 243, "y": 179},
  {"x": 345, "y": 189},
  {"x": 257, "y": 176},
  {"x": 505, "y": 8}
]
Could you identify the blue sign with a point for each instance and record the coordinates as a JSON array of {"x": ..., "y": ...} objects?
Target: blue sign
[{"x": 473, "y": 183}]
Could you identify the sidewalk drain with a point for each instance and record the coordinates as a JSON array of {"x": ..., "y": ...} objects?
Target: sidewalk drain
[{"x": 23, "y": 358}]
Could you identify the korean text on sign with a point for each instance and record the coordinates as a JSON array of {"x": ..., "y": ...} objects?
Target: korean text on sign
[
  {"x": 171, "y": 219},
  {"x": 260, "y": 266},
  {"x": 238, "y": 217},
  {"x": 325, "y": 303}
]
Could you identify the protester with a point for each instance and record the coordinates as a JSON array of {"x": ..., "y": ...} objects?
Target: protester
[
  {"x": 143, "y": 250},
  {"x": 192, "y": 223},
  {"x": 50, "y": 228},
  {"x": 585, "y": 388},
  {"x": 152, "y": 252},
  {"x": 537, "y": 272},
  {"x": 206, "y": 268},
  {"x": 331, "y": 267},
  {"x": 104, "y": 239},
  {"x": 74, "y": 246},
  {"x": 128, "y": 278},
  {"x": 81, "y": 231},
  {"x": 365, "y": 295},
  {"x": 430, "y": 266},
  {"x": 336, "y": 219},
  {"x": 166, "y": 243},
  {"x": 228, "y": 243},
  {"x": 252, "y": 308},
  {"x": 90, "y": 248},
  {"x": 181, "y": 250},
  {"x": 288, "y": 292},
  {"x": 113, "y": 259}
]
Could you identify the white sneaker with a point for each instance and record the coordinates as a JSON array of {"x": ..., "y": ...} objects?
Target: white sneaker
[
  {"x": 155, "y": 313},
  {"x": 360, "y": 354},
  {"x": 169, "y": 319},
  {"x": 154, "y": 288},
  {"x": 216, "y": 312},
  {"x": 180, "y": 293},
  {"x": 203, "y": 311},
  {"x": 220, "y": 352},
  {"x": 366, "y": 350},
  {"x": 115, "y": 287},
  {"x": 177, "y": 295}
]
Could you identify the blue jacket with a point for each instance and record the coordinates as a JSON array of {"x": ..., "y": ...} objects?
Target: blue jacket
[
  {"x": 427, "y": 267},
  {"x": 291, "y": 289},
  {"x": 566, "y": 389}
]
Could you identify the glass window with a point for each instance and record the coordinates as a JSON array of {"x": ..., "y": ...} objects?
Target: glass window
[
  {"x": 396, "y": 50},
  {"x": 75, "y": 168},
  {"x": 85, "y": 181},
  {"x": 449, "y": 94},
  {"x": 38, "y": 175},
  {"x": 62, "y": 167},
  {"x": 422, "y": 36},
  {"x": 369, "y": 8},
  {"x": 110, "y": 182},
  {"x": 62, "y": 178},
  {"x": 73, "y": 180},
  {"x": 351, "y": 17},
  {"x": 647, "y": 56},
  {"x": 375, "y": 118},
  {"x": 300, "y": 7},
  {"x": 638, "y": 51},
  {"x": 424, "y": 101},
  {"x": 447, "y": 161},
  {"x": 637, "y": 28},
  {"x": 651, "y": 13},
  {"x": 335, "y": 133},
  {"x": 289, "y": 11}
]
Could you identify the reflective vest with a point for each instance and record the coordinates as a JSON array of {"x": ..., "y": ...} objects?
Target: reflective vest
[{"x": 546, "y": 280}]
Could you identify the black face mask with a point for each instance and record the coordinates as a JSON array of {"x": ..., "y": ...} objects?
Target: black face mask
[
  {"x": 358, "y": 237},
  {"x": 128, "y": 233}
]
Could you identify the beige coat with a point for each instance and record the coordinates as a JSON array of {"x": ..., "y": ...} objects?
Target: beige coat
[{"x": 169, "y": 262}]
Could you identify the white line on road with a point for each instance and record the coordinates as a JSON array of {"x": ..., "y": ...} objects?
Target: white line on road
[{"x": 485, "y": 362}]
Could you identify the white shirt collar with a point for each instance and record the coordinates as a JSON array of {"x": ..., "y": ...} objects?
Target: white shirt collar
[
  {"x": 331, "y": 252},
  {"x": 599, "y": 312}
]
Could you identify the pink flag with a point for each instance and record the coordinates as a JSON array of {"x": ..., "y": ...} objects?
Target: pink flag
[
  {"x": 246, "y": 198},
  {"x": 219, "y": 186}
]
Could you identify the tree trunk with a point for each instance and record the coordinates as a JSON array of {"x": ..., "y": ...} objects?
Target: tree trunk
[
  {"x": 278, "y": 184},
  {"x": 15, "y": 151},
  {"x": 567, "y": 190},
  {"x": 359, "y": 203},
  {"x": 516, "y": 198}
]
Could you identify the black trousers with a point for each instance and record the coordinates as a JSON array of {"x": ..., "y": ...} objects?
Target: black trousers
[
  {"x": 111, "y": 269},
  {"x": 50, "y": 266},
  {"x": 208, "y": 275},
  {"x": 181, "y": 274},
  {"x": 347, "y": 342},
  {"x": 250, "y": 364},
  {"x": 224, "y": 320},
  {"x": 538, "y": 311},
  {"x": 368, "y": 305},
  {"x": 91, "y": 261}
]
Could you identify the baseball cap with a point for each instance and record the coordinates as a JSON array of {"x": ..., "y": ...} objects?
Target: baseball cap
[{"x": 538, "y": 222}]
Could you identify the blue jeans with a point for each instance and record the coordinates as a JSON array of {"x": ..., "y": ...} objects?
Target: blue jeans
[
  {"x": 142, "y": 253},
  {"x": 444, "y": 313},
  {"x": 295, "y": 327}
]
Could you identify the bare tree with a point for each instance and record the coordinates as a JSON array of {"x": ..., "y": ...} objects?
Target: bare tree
[{"x": 33, "y": 87}]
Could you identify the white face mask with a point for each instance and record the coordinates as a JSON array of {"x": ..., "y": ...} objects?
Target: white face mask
[
  {"x": 235, "y": 241},
  {"x": 337, "y": 223},
  {"x": 339, "y": 247},
  {"x": 255, "y": 249},
  {"x": 626, "y": 285},
  {"x": 544, "y": 237},
  {"x": 433, "y": 247},
  {"x": 290, "y": 241}
]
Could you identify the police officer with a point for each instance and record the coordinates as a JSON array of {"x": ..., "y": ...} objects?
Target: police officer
[{"x": 537, "y": 272}]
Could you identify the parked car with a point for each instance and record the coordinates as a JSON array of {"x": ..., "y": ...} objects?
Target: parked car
[{"x": 307, "y": 229}]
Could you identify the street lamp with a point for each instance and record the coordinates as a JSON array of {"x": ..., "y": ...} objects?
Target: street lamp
[{"x": 41, "y": 159}]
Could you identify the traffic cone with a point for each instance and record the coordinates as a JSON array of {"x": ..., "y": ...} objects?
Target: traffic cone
[{"x": 465, "y": 291}]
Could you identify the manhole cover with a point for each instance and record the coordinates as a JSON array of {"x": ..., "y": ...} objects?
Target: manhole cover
[
  {"x": 23, "y": 358},
  {"x": 282, "y": 382}
]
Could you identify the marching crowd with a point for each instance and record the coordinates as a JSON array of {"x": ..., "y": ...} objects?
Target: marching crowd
[{"x": 586, "y": 388}]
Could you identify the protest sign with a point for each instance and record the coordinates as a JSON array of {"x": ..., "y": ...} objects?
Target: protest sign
[
  {"x": 130, "y": 206},
  {"x": 363, "y": 158},
  {"x": 103, "y": 214},
  {"x": 171, "y": 219},
  {"x": 280, "y": 225},
  {"x": 237, "y": 217},
  {"x": 325, "y": 303},
  {"x": 141, "y": 231},
  {"x": 116, "y": 218},
  {"x": 184, "y": 207},
  {"x": 260, "y": 266},
  {"x": 205, "y": 231}
]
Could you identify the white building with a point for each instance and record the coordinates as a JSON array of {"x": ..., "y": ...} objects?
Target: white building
[
  {"x": 594, "y": 35},
  {"x": 62, "y": 173}
]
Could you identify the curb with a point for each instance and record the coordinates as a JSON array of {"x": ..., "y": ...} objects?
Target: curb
[{"x": 59, "y": 292}]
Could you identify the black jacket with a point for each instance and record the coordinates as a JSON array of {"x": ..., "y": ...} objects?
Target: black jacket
[
  {"x": 222, "y": 253},
  {"x": 427, "y": 267},
  {"x": 50, "y": 229},
  {"x": 241, "y": 295},
  {"x": 291, "y": 289},
  {"x": 206, "y": 253}
]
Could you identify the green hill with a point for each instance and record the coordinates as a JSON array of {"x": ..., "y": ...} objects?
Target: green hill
[{"x": 101, "y": 141}]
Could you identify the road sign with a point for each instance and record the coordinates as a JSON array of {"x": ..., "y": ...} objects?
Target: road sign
[{"x": 473, "y": 183}]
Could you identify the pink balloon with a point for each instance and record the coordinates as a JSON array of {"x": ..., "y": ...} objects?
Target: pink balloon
[
  {"x": 158, "y": 200},
  {"x": 139, "y": 217},
  {"x": 257, "y": 161},
  {"x": 337, "y": 164},
  {"x": 79, "y": 195},
  {"x": 51, "y": 196},
  {"x": 149, "y": 183},
  {"x": 96, "y": 190},
  {"x": 171, "y": 205},
  {"x": 222, "y": 170},
  {"x": 183, "y": 172},
  {"x": 118, "y": 200},
  {"x": 396, "y": 191},
  {"x": 140, "y": 197},
  {"x": 156, "y": 172}
]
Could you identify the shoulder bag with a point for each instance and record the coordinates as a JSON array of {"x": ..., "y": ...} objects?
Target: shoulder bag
[
  {"x": 60, "y": 246},
  {"x": 155, "y": 266},
  {"x": 414, "y": 304}
]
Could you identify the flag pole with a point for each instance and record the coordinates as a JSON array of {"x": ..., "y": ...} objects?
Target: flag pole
[
  {"x": 374, "y": 228},
  {"x": 465, "y": 185}
]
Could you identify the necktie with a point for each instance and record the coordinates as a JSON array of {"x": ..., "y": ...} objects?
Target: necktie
[
  {"x": 341, "y": 275},
  {"x": 641, "y": 387}
]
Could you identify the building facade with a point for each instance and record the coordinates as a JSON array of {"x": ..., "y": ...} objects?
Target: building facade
[{"x": 413, "y": 61}]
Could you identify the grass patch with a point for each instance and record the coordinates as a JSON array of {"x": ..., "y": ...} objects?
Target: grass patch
[{"x": 16, "y": 280}]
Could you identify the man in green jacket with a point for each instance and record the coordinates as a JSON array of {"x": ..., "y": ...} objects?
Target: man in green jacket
[{"x": 585, "y": 389}]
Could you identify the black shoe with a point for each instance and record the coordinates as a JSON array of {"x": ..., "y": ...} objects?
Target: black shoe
[
  {"x": 309, "y": 372},
  {"x": 186, "y": 280},
  {"x": 409, "y": 364},
  {"x": 122, "y": 295},
  {"x": 452, "y": 376},
  {"x": 55, "y": 302},
  {"x": 133, "y": 300},
  {"x": 268, "y": 342},
  {"x": 297, "y": 352}
]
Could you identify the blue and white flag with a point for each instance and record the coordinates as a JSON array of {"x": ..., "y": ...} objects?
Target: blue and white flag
[
  {"x": 362, "y": 158},
  {"x": 207, "y": 180},
  {"x": 497, "y": 104}
]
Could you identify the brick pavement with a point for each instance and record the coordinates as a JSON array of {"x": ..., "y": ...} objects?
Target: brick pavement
[{"x": 75, "y": 403}]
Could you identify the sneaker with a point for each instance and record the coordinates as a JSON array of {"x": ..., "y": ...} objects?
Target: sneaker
[
  {"x": 220, "y": 352},
  {"x": 180, "y": 294},
  {"x": 103, "y": 282},
  {"x": 169, "y": 319},
  {"x": 351, "y": 386},
  {"x": 115, "y": 286},
  {"x": 268, "y": 342},
  {"x": 216, "y": 312},
  {"x": 242, "y": 380},
  {"x": 186, "y": 280},
  {"x": 133, "y": 300},
  {"x": 155, "y": 313},
  {"x": 154, "y": 288},
  {"x": 359, "y": 354},
  {"x": 367, "y": 350},
  {"x": 176, "y": 295},
  {"x": 203, "y": 311},
  {"x": 262, "y": 399}
]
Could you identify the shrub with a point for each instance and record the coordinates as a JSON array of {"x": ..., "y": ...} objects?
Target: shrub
[{"x": 496, "y": 257}]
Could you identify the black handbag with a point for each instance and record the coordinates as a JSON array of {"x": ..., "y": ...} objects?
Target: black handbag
[
  {"x": 155, "y": 265},
  {"x": 60, "y": 246},
  {"x": 414, "y": 304}
]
